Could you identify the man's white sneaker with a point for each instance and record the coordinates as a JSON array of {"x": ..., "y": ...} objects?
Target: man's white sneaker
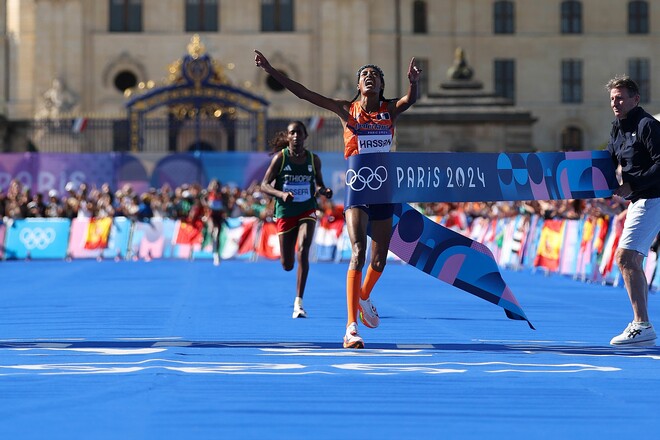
[
  {"x": 368, "y": 313},
  {"x": 635, "y": 334},
  {"x": 298, "y": 312},
  {"x": 352, "y": 339}
]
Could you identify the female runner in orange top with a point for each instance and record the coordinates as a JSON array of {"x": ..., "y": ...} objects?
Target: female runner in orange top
[{"x": 368, "y": 122}]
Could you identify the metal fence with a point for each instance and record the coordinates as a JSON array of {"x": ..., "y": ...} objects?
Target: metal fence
[{"x": 82, "y": 135}]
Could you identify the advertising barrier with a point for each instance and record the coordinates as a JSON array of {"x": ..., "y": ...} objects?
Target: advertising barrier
[
  {"x": 582, "y": 249},
  {"x": 42, "y": 172},
  {"x": 35, "y": 238}
]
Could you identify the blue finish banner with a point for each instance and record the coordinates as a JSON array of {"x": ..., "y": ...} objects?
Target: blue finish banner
[
  {"x": 472, "y": 177},
  {"x": 452, "y": 258}
]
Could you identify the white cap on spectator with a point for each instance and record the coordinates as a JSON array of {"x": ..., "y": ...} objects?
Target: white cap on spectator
[
  {"x": 69, "y": 186},
  {"x": 52, "y": 193}
]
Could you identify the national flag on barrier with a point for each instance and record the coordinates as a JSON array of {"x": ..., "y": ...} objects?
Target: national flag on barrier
[
  {"x": 98, "y": 233},
  {"x": 609, "y": 247},
  {"x": 514, "y": 240},
  {"x": 268, "y": 245},
  {"x": 506, "y": 244},
  {"x": 592, "y": 270},
  {"x": 456, "y": 220},
  {"x": 490, "y": 235},
  {"x": 237, "y": 237},
  {"x": 588, "y": 229},
  {"x": 570, "y": 245},
  {"x": 315, "y": 123},
  {"x": 479, "y": 229},
  {"x": 585, "y": 251},
  {"x": 247, "y": 242},
  {"x": 520, "y": 237},
  {"x": 79, "y": 125},
  {"x": 207, "y": 238},
  {"x": 188, "y": 233},
  {"x": 532, "y": 240},
  {"x": 326, "y": 238},
  {"x": 498, "y": 241},
  {"x": 148, "y": 241},
  {"x": 550, "y": 243},
  {"x": 602, "y": 229}
]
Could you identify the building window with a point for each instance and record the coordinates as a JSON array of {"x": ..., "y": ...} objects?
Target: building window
[
  {"x": 201, "y": 15},
  {"x": 277, "y": 15},
  {"x": 503, "y": 17},
  {"x": 125, "y": 15},
  {"x": 640, "y": 72},
  {"x": 419, "y": 17},
  {"x": 638, "y": 17},
  {"x": 571, "y": 81},
  {"x": 423, "y": 84},
  {"x": 125, "y": 80},
  {"x": 504, "y": 78},
  {"x": 571, "y": 17},
  {"x": 571, "y": 139}
]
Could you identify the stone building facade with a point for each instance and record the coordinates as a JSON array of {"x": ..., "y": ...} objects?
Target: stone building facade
[{"x": 549, "y": 58}]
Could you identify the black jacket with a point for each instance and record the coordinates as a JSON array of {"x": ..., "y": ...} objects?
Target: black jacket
[{"x": 635, "y": 145}]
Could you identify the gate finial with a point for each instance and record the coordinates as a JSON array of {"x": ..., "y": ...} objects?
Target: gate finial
[{"x": 196, "y": 48}]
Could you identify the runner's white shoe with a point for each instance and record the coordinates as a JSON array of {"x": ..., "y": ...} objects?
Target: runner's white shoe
[
  {"x": 368, "y": 313},
  {"x": 298, "y": 312},
  {"x": 635, "y": 334},
  {"x": 352, "y": 339}
]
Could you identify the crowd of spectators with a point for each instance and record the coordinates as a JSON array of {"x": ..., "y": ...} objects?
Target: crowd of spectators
[
  {"x": 181, "y": 202},
  {"x": 19, "y": 202},
  {"x": 548, "y": 209}
]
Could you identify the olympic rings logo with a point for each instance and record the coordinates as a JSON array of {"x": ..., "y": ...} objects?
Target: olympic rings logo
[
  {"x": 37, "y": 238},
  {"x": 366, "y": 177}
]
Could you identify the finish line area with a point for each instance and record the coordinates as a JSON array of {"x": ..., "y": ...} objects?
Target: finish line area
[{"x": 181, "y": 349}]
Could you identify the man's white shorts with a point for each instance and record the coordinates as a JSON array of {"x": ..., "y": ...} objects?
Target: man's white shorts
[{"x": 641, "y": 226}]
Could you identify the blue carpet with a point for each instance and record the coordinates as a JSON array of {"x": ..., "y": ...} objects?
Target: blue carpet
[{"x": 175, "y": 349}]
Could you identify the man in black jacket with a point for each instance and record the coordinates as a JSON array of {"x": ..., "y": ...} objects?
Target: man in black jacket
[{"x": 635, "y": 146}]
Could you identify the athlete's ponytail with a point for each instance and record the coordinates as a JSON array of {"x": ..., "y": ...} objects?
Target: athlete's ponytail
[
  {"x": 281, "y": 139},
  {"x": 279, "y": 142}
]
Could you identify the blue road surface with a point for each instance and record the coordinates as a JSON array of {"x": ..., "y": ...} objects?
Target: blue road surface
[{"x": 185, "y": 350}]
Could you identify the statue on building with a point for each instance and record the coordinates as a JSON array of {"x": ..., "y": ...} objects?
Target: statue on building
[
  {"x": 460, "y": 69},
  {"x": 55, "y": 101}
]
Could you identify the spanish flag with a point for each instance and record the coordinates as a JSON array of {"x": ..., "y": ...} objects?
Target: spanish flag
[
  {"x": 98, "y": 233},
  {"x": 552, "y": 236}
]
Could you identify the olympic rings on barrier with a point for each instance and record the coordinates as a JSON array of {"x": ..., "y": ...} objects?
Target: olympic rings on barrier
[
  {"x": 37, "y": 238},
  {"x": 364, "y": 177}
]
